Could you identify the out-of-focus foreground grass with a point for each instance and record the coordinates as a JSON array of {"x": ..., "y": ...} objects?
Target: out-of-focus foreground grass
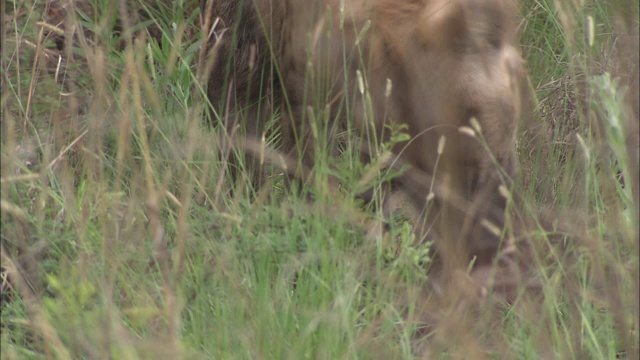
[{"x": 123, "y": 235}]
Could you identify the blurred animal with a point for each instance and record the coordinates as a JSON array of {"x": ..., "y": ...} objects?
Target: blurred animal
[{"x": 448, "y": 69}]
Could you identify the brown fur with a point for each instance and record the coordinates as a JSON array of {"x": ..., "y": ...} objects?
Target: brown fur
[{"x": 448, "y": 61}]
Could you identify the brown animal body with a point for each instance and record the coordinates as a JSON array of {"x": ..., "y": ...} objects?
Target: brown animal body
[{"x": 447, "y": 61}]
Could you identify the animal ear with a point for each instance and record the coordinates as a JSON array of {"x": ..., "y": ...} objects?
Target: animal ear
[{"x": 443, "y": 24}]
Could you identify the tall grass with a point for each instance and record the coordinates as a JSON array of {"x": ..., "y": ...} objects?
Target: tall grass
[{"x": 125, "y": 236}]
